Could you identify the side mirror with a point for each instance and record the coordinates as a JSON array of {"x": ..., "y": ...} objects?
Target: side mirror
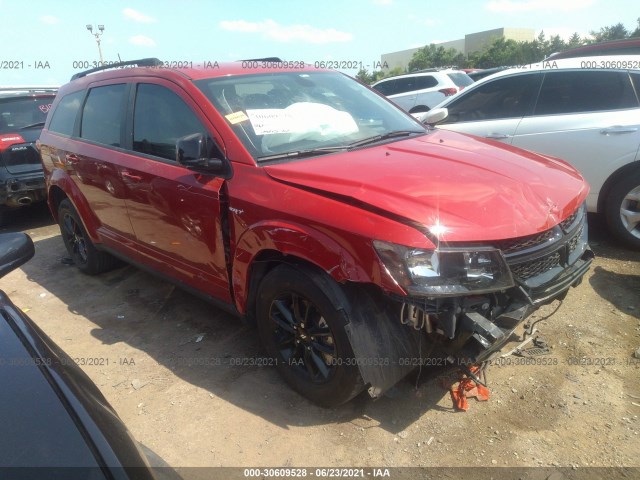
[
  {"x": 192, "y": 152},
  {"x": 435, "y": 116},
  {"x": 15, "y": 250}
]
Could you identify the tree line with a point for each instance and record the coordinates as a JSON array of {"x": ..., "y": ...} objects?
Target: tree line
[{"x": 500, "y": 52}]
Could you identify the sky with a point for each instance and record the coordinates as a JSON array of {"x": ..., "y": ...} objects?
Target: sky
[{"x": 48, "y": 40}]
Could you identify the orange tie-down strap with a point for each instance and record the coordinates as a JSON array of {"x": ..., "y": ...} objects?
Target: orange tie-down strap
[{"x": 467, "y": 388}]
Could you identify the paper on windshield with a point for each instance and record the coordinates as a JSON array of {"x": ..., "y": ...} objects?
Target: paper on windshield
[{"x": 302, "y": 117}]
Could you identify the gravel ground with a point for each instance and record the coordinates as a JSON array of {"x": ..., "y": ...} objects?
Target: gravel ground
[{"x": 154, "y": 351}]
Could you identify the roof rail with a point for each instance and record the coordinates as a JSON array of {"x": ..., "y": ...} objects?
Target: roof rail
[
  {"x": 265, "y": 59},
  {"x": 29, "y": 88},
  {"x": 143, "y": 62}
]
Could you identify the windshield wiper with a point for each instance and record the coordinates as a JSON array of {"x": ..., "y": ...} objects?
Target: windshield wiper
[
  {"x": 33, "y": 125},
  {"x": 305, "y": 153},
  {"x": 384, "y": 136}
]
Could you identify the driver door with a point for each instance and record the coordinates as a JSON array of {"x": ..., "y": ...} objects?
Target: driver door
[
  {"x": 495, "y": 108},
  {"x": 175, "y": 212}
]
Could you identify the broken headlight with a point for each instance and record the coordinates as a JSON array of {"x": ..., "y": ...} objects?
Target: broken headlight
[{"x": 446, "y": 271}]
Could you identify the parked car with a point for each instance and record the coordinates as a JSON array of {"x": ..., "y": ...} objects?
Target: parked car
[
  {"x": 23, "y": 111},
  {"x": 420, "y": 91},
  {"x": 55, "y": 421},
  {"x": 478, "y": 74},
  {"x": 304, "y": 201},
  {"x": 626, "y": 46},
  {"x": 583, "y": 110}
]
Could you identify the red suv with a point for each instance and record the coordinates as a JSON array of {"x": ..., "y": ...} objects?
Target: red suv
[{"x": 356, "y": 238}]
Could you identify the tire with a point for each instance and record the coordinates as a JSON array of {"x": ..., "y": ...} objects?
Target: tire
[
  {"x": 302, "y": 327},
  {"x": 622, "y": 210},
  {"x": 85, "y": 255}
]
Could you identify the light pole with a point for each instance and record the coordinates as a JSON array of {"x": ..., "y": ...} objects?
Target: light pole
[{"x": 98, "y": 34}]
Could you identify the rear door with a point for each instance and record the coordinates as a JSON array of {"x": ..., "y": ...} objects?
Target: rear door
[
  {"x": 590, "y": 118},
  {"x": 97, "y": 152},
  {"x": 405, "y": 93},
  {"x": 494, "y": 108},
  {"x": 176, "y": 214}
]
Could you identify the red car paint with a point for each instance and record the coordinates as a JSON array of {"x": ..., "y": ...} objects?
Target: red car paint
[
  {"x": 212, "y": 233},
  {"x": 496, "y": 192}
]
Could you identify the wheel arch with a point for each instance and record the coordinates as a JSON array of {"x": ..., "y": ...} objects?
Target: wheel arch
[
  {"x": 613, "y": 179},
  {"x": 62, "y": 187},
  {"x": 261, "y": 249}
]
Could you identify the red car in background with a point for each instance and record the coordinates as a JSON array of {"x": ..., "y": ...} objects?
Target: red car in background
[{"x": 354, "y": 236}]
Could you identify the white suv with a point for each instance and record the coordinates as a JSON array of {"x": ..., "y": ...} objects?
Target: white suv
[
  {"x": 583, "y": 110},
  {"x": 421, "y": 91}
]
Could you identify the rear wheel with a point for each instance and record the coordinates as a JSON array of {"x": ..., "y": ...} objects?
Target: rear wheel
[
  {"x": 85, "y": 255},
  {"x": 301, "y": 321},
  {"x": 623, "y": 210}
]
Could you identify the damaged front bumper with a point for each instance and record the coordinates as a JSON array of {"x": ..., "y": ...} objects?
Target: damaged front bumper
[{"x": 391, "y": 340}]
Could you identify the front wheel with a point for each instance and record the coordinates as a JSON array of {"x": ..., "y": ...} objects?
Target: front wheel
[
  {"x": 623, "y": 210},
  {"x": 301, "y": 321},
  {"x": 85, "y": 255}
]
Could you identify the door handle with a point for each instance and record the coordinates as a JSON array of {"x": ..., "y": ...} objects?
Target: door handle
[
  {"x": 497, "y": 136},
  {"x": 130, "y": 176},
  {"x": 617, "y": 130},
  {"x": 72, "y": 158}
]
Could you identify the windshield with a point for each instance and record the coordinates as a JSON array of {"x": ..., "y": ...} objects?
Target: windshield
[
  {"x": 17, "y": 113},
  {"x": 280, "y": 113}
]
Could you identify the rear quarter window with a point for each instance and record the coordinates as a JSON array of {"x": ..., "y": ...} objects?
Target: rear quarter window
[
  {"x": 64, "y": 116},
  {"x": 460, "y": 79}
]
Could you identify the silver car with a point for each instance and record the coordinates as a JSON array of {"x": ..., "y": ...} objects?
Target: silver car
[
  {"x": 583, "y": 110},
  {"x": 420, "y": 91}
]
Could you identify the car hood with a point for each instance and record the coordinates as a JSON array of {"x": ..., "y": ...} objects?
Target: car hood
[{"x": 458, "y": 187}]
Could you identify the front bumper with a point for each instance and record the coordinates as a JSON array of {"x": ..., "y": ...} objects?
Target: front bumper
[{"x": 469, "y": 330}]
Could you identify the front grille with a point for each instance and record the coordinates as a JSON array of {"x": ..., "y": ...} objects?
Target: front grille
[
  {"x": 524, "y": 243},
  {"x": 539, "y": 254},
  {"x": 573, "y": 243},
  {"x": 566, "y": 224},
  {"x": 536, "y": 267}
]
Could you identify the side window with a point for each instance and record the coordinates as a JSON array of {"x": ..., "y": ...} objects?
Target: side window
[
  {"x": 64, "y": 117},
  {"x": 386, "y": 88},
  {"x": 102, "y": 115},
  {"x": 508, "y": 97},
  {"x": 159, "y": 119},
  {"x": 426, "y": 81},
  {"x": 585, "y": 91},
  {"x": 635, "y": 79},
  {"x": 406, "y": 84}
]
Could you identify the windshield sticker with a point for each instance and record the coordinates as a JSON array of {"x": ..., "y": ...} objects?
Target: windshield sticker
[
  {"x": 302, "y": 118},
  {"x": 236, "y": 117},
  {"x": 269, "y": 121}
]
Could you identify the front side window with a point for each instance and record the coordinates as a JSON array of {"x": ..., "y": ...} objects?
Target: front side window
[
  {"x": 102, "y": 115},
  {"x": 304, "y": 112},
  {"x": 160, "y": 118},
  {"x": 508, "y": 97},
  {"x": 585, "y": 91},
  {"x": 405, "y": 84}
]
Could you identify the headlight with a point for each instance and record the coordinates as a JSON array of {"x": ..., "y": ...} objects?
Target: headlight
[{"x": 446, "y": 271}]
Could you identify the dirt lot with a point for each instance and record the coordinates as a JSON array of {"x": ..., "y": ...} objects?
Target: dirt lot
[{"x": 144, "y": 333}]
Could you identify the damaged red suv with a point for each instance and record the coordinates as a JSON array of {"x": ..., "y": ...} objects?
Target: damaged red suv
[{"x": 356, "y": 238}]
